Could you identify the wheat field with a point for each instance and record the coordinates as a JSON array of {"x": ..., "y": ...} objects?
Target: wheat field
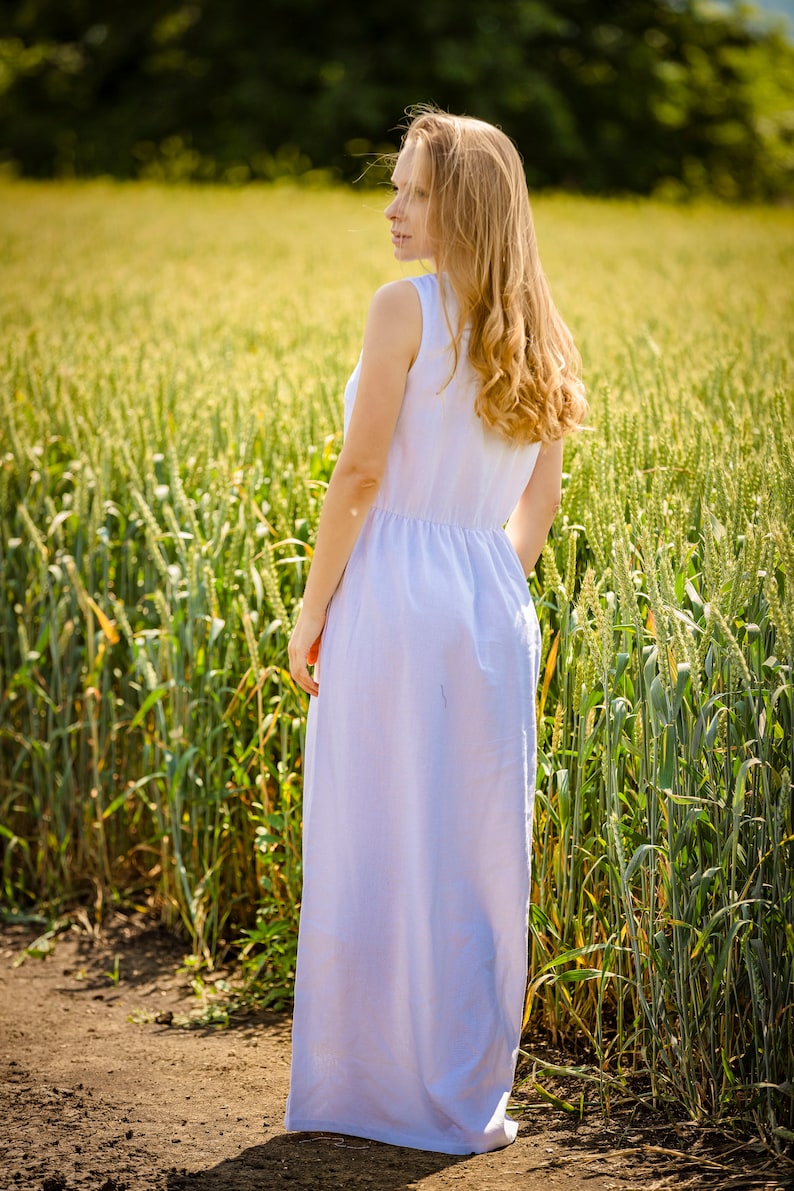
[{"x": 173, "y": 361}]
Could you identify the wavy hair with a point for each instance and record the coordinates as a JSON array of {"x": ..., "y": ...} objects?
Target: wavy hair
[{"x": 479, "y": 216}]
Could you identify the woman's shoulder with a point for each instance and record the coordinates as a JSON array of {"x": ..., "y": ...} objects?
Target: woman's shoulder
[
  {"x": 411, "y": 297},
  {"x": 396, "y": 303},
  {"x": 395, "y": 318},
  {"x": 405, "y": 293}
]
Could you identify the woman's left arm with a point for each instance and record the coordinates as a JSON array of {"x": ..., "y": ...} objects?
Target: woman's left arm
[
  {"x": 391, "y": 342},
  {"x": 530, "y": 521}
]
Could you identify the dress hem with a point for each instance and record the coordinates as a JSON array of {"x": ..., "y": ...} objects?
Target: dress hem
[{"x": 406, "y": 1140}]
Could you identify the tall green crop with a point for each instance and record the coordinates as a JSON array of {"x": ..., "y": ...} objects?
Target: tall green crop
[{"x": 173, "y": 362}]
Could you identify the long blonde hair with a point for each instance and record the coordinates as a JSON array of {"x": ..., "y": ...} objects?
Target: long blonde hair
[{"x": 480, "y": 219}]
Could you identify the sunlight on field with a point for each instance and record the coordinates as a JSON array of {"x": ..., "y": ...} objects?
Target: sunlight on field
[
  {"x": 173, "y": 364},
  {"x": 259, "y": 281},
  {"x": 219, "y": 298}
]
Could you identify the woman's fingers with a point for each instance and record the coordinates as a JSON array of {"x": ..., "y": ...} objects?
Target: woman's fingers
[
  {"x": 299, "y": 671},
  {"x": 305, "y": 680},
  {"x": 302, "y": 656}
]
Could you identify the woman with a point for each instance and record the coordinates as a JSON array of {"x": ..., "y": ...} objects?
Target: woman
[{"x": 420, "y": 752}]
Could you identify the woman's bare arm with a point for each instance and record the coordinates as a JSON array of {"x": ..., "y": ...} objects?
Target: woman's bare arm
[
  {"x": 530, "y": 521},
  {"x": 391, "y": 342}
]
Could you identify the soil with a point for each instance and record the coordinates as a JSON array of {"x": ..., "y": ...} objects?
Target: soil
[{"x": 101, "y": 1090}]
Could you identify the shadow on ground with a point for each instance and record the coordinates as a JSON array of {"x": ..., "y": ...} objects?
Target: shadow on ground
[{"x": 322, "y": 1162}]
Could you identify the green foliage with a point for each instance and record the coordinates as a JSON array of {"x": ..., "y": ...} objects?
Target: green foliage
[
  {"x": 683, "y": 97},
  {"x": 173, "y": 363},
  {"x": 666, "y": 808}
]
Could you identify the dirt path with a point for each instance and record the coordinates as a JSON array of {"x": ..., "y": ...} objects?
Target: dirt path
[{"x": 97, "y": 1095}]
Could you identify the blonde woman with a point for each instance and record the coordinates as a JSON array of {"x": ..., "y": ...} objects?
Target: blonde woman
[{"x": 424, "y": 643}]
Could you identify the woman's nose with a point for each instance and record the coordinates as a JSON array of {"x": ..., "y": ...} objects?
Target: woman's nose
[{"x": 392, "y": 210}]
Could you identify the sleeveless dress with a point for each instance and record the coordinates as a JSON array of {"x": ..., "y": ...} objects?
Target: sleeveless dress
[{"x": 419, "y": 788}]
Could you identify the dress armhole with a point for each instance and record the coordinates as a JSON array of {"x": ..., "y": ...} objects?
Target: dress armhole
[{"x": 420, "y": 285}]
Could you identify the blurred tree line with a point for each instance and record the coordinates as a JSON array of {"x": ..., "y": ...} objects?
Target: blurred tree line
[{"x": 647, "y": 96}]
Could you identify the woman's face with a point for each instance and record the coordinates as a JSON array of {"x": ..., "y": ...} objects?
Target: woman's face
[{"x": 409, "y": 211}]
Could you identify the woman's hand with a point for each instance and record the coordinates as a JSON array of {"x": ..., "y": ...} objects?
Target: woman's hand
[{"x": 304, "y": 649}]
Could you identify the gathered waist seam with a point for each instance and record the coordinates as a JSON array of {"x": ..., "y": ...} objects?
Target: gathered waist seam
[{"x": 440, "y": 524}]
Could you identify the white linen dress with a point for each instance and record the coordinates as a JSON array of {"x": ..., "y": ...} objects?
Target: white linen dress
[{"x": 419, "y": 788}]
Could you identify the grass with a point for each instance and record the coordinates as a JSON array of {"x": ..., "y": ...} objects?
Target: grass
[{"x": 173, "y": 363}]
